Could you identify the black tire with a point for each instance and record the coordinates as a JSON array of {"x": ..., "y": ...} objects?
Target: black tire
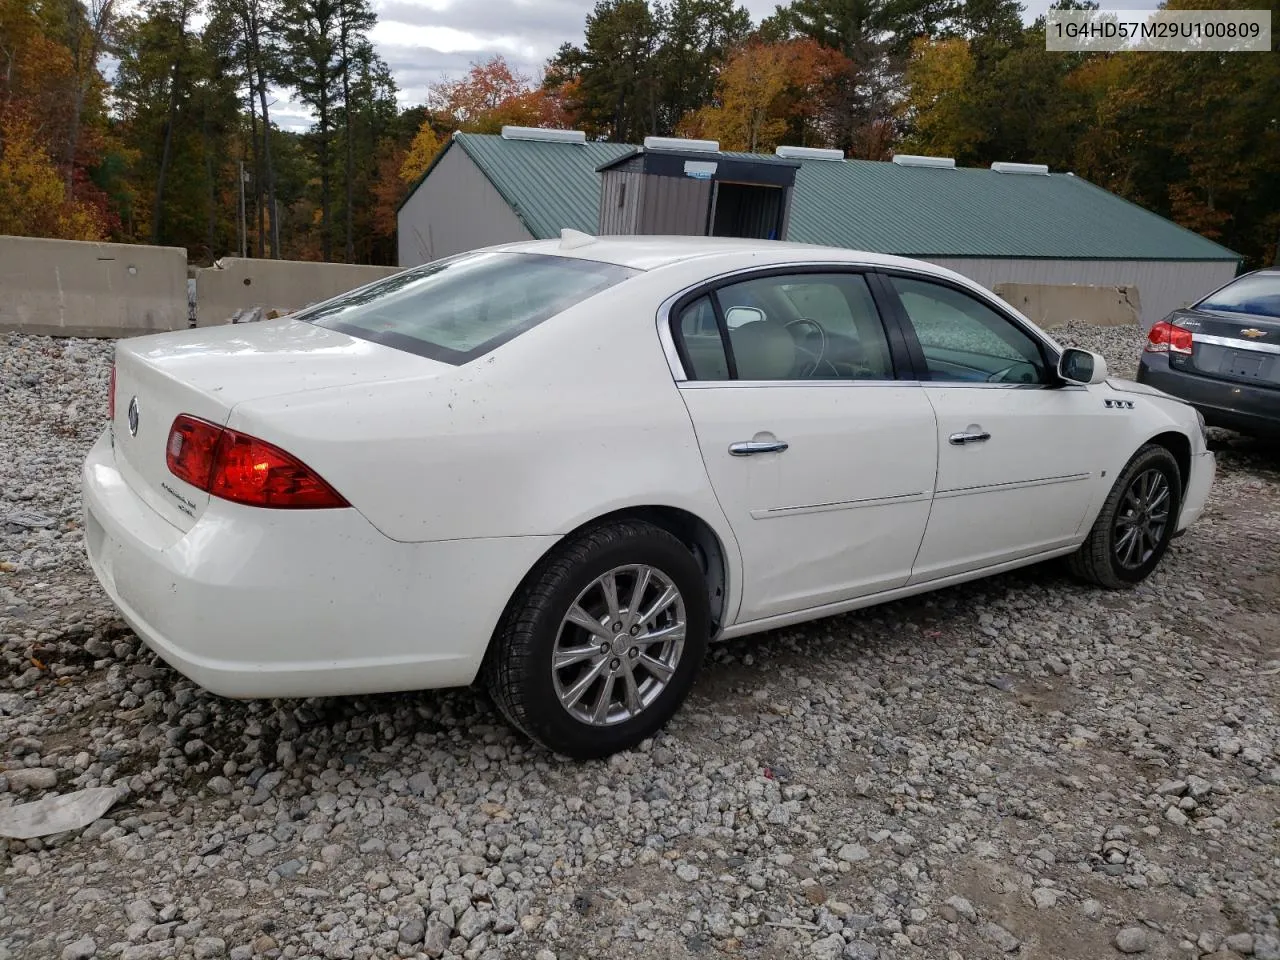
[
  {"x": 518, "y": 666},
  {"x": 1097, "y": 560}
]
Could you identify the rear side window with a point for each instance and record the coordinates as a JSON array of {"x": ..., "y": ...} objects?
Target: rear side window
[{"x": 458, "y": 309}]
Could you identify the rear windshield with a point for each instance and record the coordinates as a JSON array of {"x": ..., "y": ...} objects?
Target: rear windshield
[
  {"x": 462, "y": 307},
  {"x": 1258, "y": 294}
]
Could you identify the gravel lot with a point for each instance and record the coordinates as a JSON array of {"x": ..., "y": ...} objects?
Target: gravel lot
[{"x": 1019, "y": 767}]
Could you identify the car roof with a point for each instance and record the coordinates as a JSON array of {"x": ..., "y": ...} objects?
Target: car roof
[{"x": 654, "y": 252}]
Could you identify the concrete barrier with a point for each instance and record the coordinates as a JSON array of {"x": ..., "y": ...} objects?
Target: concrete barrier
[
  {"x": 1053, "y": 305},
  {"x": 234, "y": 284},
  {"x": 67, "y": 288}
]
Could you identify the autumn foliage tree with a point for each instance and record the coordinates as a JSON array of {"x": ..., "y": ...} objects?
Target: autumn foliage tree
[{"x": 768, "y": 90}]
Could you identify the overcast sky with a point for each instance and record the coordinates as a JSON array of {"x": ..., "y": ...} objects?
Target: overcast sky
[{"x": 426, "y": 40}]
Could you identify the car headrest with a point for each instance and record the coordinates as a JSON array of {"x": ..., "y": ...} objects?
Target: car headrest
[{"x": 763, "y": 351}]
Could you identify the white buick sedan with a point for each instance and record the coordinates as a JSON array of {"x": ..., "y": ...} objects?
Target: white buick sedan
[{"x": 565, "y": 466}]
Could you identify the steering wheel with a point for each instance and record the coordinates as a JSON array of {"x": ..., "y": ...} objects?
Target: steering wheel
[{"x": 817, "y": 358}]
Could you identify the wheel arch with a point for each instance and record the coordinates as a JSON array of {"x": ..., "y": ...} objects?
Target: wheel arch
[
  {"x": 1179, "y": 445},
  {"x": 699, "y": 536}
]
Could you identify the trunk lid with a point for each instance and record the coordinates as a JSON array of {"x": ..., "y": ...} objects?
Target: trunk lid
[
  {"x": 206, "y": 372},
  {"x": 1240, "y": 347}
]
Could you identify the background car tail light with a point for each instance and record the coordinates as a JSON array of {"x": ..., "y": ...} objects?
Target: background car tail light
[
  {"x": 1168, "y": 337},
  {"x": 235, "y": 466},
  {"x": 111, "y": 395}
]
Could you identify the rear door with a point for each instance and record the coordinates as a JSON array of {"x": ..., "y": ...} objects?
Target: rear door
[{"x": 822, "y": 461}]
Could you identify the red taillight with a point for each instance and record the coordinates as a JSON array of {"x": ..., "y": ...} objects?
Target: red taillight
[
  {"x": 190, "y": 450},
  {"x": 244, "y": 469},
  {"x": 111, "y": 396},
  {"x": 1168, "y": 337}
]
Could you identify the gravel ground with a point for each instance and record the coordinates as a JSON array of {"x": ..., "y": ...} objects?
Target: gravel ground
[{"x": 1018, "y": 767}]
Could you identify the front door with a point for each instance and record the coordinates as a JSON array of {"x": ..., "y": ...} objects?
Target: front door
[
  {"x": 1020, "y": 457},
  {"x": 823, "y": 464}
]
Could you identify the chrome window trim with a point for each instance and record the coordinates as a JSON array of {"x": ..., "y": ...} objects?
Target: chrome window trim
[
  {"x": 681, "y": 376},
  {"x": 1250, "y": 345},
  {"x": 934, "y": 384}
]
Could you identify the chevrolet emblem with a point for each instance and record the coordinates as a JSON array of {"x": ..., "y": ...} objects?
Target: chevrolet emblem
[{"x": 1253, "y": 333}]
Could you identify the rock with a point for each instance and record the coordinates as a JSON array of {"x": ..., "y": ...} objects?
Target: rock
[
  {"x": 412, "y": 931},
  {"x": 1132, "y": 940},
  {"x": 1266, "y": 947},
  {"x": 141, "y": 911},
  {"x": 1045, "y": 897},
  {"x": 688, "y": 872},
  {"x": 963, "y": 908},
  {"x": 545, "y": 954},
  {"x": 422, "y": 785},
  {"x": 1172, "y": 788},
  {"x": 472, "y": 923},
  {"x": 1091, "y": 909},
  {"x": 221, "y": 786},
  {"x": 437, "y": 939},
  {"x": 828, "y": 948},
  {"x": 31, "y": 778},
  {"x": 82, "y": 949},
  {"x": 853, "y": 853},
  {"x": 861, "y": 950},
  {"x": 208, "y": 948},
  {"x": 1241, "y": 943},
  {"x": 999, "y": 937},
  {"x": 1176, "y": 817}
]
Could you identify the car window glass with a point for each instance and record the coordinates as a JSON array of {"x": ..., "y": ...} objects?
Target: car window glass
[
  {"x": 1258, "y": 295},
  {"x": 460, "y": 308},
  {"x": 964, "y": 339},
  {"x": 700, "y": 336},
  {"x": 806, "y": 327}
]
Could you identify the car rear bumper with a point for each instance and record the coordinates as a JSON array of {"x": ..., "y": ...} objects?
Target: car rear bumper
[
  {"x": 1224, "y": 403},
  {"x": 277, "y": 603}
]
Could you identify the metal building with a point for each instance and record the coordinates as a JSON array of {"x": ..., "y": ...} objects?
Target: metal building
[{"x": 1012, "y": 223}]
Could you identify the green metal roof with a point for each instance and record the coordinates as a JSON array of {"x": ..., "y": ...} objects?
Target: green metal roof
[{"x": 866, "y": 205}]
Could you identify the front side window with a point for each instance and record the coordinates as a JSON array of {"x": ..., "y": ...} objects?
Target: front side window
[
  {"x": 809, "y": 326},
  {"x": 457, "y": 309},
  {"x": 965, "y": 340},
  {"x": 1257, "y": 295}
]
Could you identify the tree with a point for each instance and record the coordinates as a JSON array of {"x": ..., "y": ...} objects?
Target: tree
[
  {"x": 940, "y": 101},
  {"x": 421, "y": 153},
  {"x": 33, "y": 199},
  {"x": 312, "y": 66},
  {"x": 767, "y": 90},
  {"x": 617, "y": 70},
  {"x": 697, "y": 38}
]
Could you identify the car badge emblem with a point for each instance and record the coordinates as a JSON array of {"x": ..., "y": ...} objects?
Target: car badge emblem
[
  {"x": 133, "y": 417},
  {"x": 1253, "y": 333}
]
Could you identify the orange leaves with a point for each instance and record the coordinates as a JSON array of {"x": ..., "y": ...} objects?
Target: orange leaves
[
  {"x": 764, "y": 89},
  {"x": 32, "y": 193}
]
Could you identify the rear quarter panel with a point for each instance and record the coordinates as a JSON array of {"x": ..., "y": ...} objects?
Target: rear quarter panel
[{"x": 574, "y": 419}]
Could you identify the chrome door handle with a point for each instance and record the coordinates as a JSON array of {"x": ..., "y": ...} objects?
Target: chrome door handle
[
  {"x": 748, "y": 447},
  {"x": 960, "y": 439}
]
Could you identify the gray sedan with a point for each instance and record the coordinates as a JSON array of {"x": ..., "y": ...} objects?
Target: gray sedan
[{"x": 1222, "y": 355}]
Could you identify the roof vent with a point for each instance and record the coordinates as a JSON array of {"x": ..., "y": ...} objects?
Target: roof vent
[
  {"x": 546, "y": 134},
  {"x": 809, "y": 153},
  {"x": 679, "y": 143},
  {"x": 1032, "y": 169},
  {"x": 908, "y": 160}
]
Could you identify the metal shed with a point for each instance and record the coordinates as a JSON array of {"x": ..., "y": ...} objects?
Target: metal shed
[
  {"x": 1015, "y": 223},
  {"x": 690, "y": 188}
]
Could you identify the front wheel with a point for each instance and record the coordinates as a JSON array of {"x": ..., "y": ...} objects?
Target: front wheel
[
  {"x": 603, "y": 641},
  {"x": 1136, "y": 522}
]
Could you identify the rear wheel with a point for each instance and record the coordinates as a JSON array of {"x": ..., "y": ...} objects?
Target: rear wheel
[
  {"x": 603, "y": 642},
  {"x": 1135, "y": 524}
]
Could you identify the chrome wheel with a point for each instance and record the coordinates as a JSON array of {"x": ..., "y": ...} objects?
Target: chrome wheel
[
  {"x": 1142, "y": 519},
  {"x": 618, "y": 646}
]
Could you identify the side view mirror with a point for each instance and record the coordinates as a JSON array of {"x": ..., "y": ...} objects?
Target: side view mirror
[
  {"x": 1081, "y": 366},
  {"x": 736, "y": 317}
]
